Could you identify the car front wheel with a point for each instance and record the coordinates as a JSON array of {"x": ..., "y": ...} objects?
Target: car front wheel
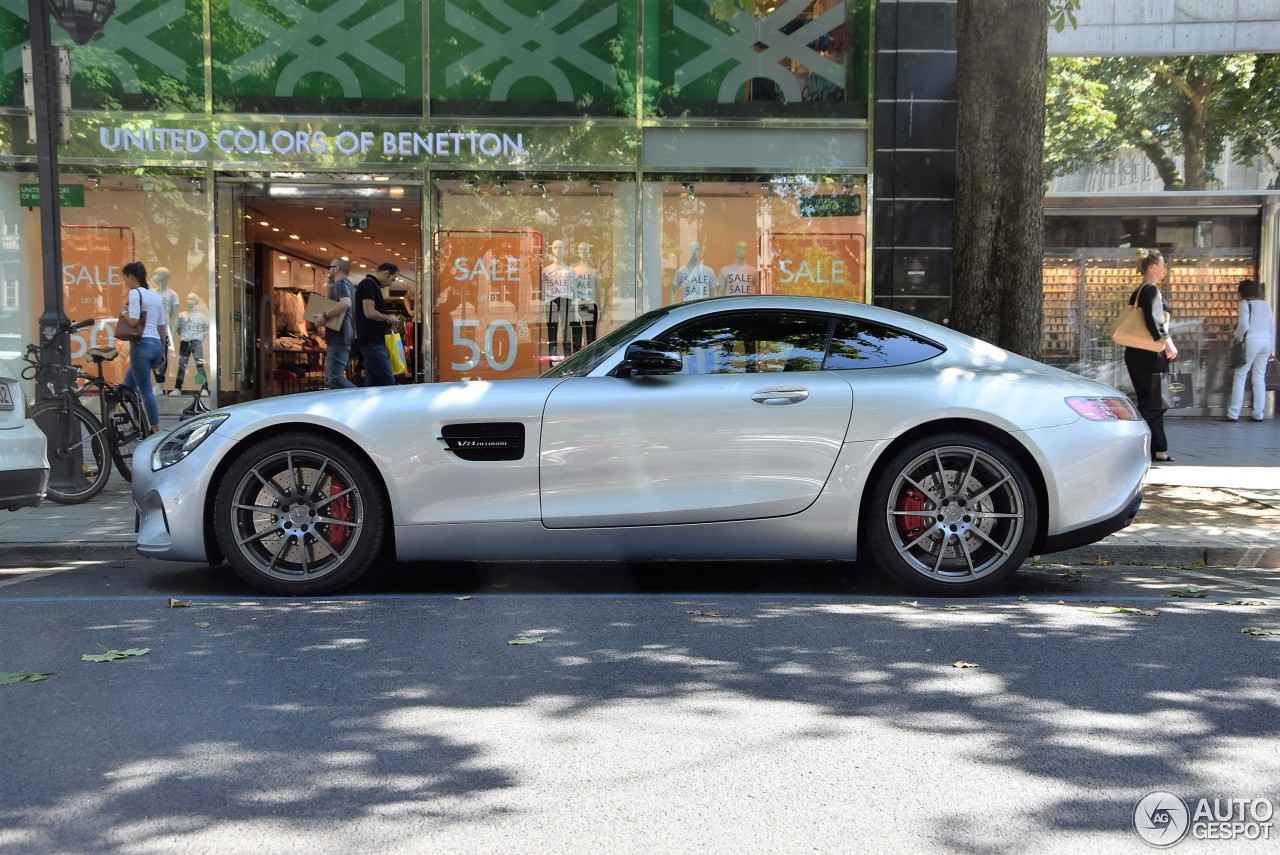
[
  {"x": 299, "y": 514},
  {"x": 952, "y": 515}
]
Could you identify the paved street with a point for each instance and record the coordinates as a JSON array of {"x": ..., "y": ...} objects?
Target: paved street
[{"x": 670, "y": 707}]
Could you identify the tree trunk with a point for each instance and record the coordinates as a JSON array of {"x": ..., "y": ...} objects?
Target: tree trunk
[{"x": 1001, "y": 68}]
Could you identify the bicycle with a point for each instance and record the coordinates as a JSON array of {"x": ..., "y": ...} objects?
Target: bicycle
[{"x": 122, "y": 423}]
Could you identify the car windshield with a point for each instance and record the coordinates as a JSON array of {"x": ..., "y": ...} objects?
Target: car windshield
[{"x": 584, "y": 361}]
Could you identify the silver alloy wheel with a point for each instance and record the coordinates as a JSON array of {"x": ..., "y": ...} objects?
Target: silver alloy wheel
[
  {"x": 956, "y": 514},
  {"x": 297, "y": 515}
]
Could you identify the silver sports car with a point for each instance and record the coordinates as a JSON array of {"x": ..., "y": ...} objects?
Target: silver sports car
[{"x": 731, "y": 428}]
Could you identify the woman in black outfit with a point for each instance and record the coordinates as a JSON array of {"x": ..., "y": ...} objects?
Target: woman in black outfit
[{"x": 1143, "y": 364}]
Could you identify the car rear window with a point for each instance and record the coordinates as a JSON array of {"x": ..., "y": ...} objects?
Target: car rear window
[{"x": 863, "y": 344}]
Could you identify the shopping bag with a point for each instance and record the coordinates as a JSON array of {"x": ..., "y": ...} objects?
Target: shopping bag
[
  {"x": 1174, "y": 389},
  {"x": 1273, "y": 375},
  {"x": 395, "y": 352},
  {"x": 1131, "y": 331}
]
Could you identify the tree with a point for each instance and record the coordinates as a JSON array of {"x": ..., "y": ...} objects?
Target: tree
[
  {"x": 1001, "y": 69},
  {"x": 1167, "y": 107}
]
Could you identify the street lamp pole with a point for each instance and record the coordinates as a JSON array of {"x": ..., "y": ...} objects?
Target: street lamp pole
[{"x": 44, "y": 80}]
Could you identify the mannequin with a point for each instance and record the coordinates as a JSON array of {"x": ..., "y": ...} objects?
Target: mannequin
[
  {"x": 738, "y": 278},
  {"x": 193, "y": 328},
  {"x": 557, "y": 295},
  {"x": 693, "y": 281},
  {"x": 586, "y": 298},
  {"x": 169, "y": 299}
]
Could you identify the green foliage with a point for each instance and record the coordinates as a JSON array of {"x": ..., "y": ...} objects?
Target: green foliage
[
  {"x": 1187, "y": 106},
  {"x": 1061, "y": 13},
  {"x": 8, "y": 679}
]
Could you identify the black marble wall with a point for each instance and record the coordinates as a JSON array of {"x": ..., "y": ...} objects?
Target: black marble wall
[{"x": 914, "y": 139}]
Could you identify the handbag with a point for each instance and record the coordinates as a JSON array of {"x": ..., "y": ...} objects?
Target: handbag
[
  {"x": 1237, "y": 354},
  {"x": 1272, "y": 376},
  {"x": 395, "y": 353},
  {"x": 126, "y": 329},
  {"x": 1237, "y": 347},
  {"x": 1175, "y": 390},
  {"x": 1131, "y": 331}
]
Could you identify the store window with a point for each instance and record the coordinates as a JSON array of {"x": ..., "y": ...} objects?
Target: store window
[
  {"x": 1088, "y": 278},
  {"x": 565, "y": 58},
  {"x": 529, "y": 271},
  {"x": 796, "y": 59},
  {"x": 108, "y": 220},
  {"x": 740, "y": 235}
]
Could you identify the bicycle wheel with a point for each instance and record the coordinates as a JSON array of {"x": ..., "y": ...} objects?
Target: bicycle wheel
[
  {"x": 87, "y": 441},
  {"x": 127, "y": 426}
]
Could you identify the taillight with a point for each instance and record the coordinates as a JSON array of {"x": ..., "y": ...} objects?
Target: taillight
[{"x": 1105, "y": 409}]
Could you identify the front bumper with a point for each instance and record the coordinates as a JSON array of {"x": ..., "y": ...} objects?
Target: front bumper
[{"x": 171, "y": 503}]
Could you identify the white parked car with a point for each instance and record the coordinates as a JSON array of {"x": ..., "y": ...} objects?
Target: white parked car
[
  {"x": 24, "y": 468},
  {"x": 733, "y": 428}
]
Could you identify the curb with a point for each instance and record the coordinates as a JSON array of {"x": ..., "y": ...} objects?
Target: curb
[
  {"x": 1262, "y": 556},
  {"x": 1201, "y": 554},
  {"x": 42, "y": 553}
]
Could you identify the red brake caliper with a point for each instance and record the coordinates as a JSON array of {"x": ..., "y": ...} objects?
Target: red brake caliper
[
  {"x": 339, "y": 509},
  {"x": 911, "y": 526}
]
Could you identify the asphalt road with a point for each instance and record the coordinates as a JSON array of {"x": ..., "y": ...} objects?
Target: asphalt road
[{"x": 672, "y": 708}]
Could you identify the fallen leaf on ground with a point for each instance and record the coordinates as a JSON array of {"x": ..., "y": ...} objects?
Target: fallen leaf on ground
[
  {"x": 956, "y": 608},
  {"x": 915, "y": 604},
  {"x": 1074, "y": 575},
  {"x": 1114, "y": 610},
  {"x": 527, "y": 639},
  {"x": 203, "y": 625},
  {"x": 704, "y": 614},
  {"x": 963, "y": 664},
  {"x": 1024, "y": 599},
  {"x": 462, "y": 598},
  {"x": 1255, "y": 630},
  {"x": 1099, "y": 561},
  {"x": 1150, "y": 612},
  {"x": 1189, "y": 591},
  {"x": 24, "y": 677},
  {"x": 113, "y": 655},
  {"x": 1239, "y": 602},
  {"x": 178, "y": 604}
]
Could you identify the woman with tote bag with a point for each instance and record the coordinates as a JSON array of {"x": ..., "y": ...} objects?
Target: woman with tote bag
[
  {"x": 144, "y": 308},
  {"x": 1146, "y": 365},
  {"x": 1255, "y": 329}
]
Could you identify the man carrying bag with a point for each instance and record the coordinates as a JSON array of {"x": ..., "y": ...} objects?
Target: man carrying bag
[{"x": 373, "y": 325}]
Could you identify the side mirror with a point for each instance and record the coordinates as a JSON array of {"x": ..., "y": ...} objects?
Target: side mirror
[{"x": 651, "y": 357}]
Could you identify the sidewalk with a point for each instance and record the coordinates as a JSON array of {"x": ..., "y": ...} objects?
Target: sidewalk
[{"x": 1219, "y": 504}]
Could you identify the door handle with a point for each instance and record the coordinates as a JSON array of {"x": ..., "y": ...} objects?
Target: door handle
[{"x": 780, "y": 395}]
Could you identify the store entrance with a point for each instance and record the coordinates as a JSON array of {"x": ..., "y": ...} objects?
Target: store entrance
[{"x": 277, "y": 242}]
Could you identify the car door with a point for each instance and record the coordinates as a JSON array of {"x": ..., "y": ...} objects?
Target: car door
[{"x": 749, "y": 429}]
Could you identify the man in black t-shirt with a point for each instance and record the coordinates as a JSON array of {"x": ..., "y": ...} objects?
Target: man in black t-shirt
[{"x": 373, "y": 324}]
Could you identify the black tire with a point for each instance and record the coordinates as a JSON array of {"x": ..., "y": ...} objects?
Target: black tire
[
  {"x": 128, "y": 426},
  {"x": 951, "y": 515},
  {"x": 298, "y": 514},
  {"x": 88, "y": 441}
]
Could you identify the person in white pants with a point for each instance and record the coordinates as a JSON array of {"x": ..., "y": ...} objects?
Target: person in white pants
[{"x": 1256, "y": 328}]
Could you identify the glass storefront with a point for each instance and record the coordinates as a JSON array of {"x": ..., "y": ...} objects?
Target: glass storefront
[
  {"x": 538, "y": 178},
  {"x": 1091, "y": 268}
]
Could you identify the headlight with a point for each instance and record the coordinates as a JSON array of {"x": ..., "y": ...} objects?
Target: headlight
[{"x": 185, "y": 439}]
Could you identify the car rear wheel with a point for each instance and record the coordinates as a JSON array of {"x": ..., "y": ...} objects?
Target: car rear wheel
[
  {"x": 299, "y": 514},
  {"x": 952, "y": 515}
]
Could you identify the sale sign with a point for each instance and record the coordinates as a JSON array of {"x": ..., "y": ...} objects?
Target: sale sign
[
  {"x": 818, "y": 265},
  {"x": 487, "y": 308},
  {"x": 92, "y": 257}
]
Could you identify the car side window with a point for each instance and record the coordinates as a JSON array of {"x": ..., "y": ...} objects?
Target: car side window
[
  {"x": 751, "y": 343},
  {"x": 863, "y": 344}
]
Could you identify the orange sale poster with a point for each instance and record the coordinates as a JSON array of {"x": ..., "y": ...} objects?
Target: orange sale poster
[
  {"x": 486, "y": 309},
  {"x": 819, "y": 265},
  {"x": 92, "y": 257}
]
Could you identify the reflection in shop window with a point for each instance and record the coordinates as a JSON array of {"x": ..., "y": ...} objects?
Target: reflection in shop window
[{"x": 741, "y": 236}]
